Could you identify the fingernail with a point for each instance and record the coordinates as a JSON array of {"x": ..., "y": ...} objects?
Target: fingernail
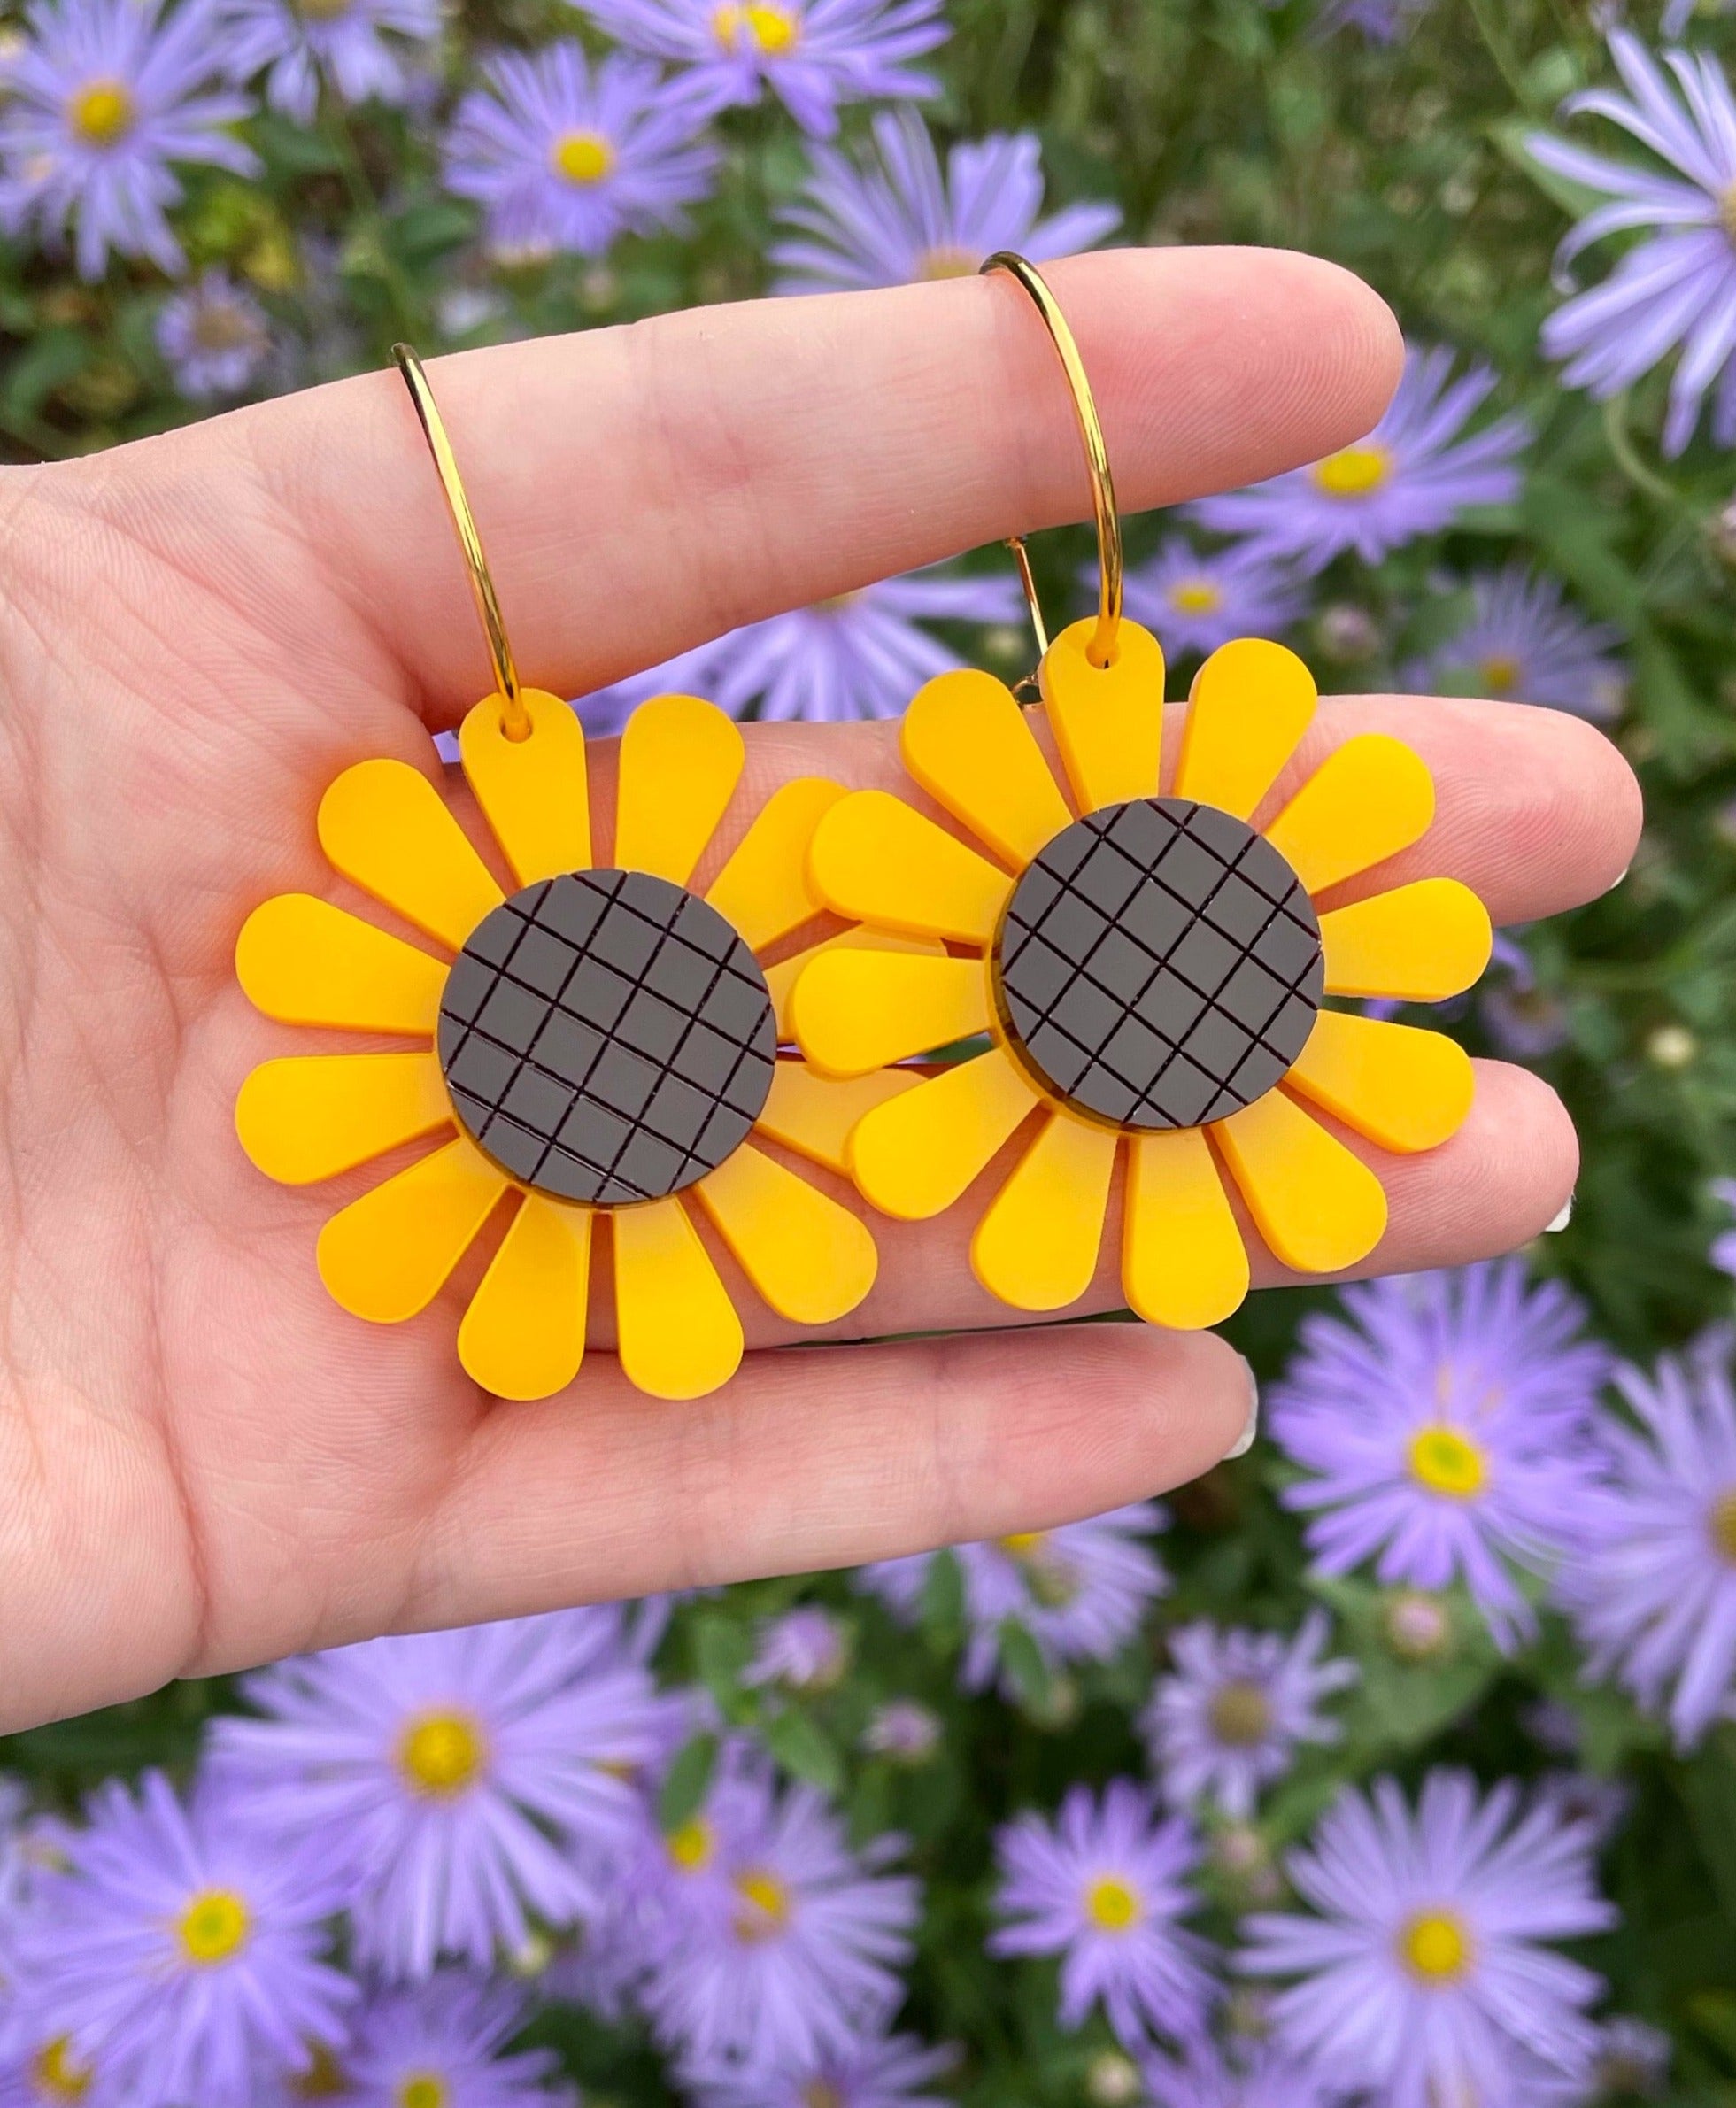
[
  {"x": 1244, "y": 1442},
  {"x": 1563, "y": 1219}
]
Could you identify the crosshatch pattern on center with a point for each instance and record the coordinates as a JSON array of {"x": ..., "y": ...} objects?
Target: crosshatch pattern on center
[
  {"x": 606, "y": 1037},
  {"x": 1159, "y": 964}
]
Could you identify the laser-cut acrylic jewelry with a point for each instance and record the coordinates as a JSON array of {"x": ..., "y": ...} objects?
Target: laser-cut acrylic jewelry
[
  {"x": 602, "y": 1048},
  {"x": 1149, "y": 966}
]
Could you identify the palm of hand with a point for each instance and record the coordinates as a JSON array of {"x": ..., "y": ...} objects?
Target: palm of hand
[{"x": 204, "y": 1462}]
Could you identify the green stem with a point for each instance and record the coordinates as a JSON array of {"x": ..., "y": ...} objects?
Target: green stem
[
  {"x": 364, "y": 202},
  {"x": 1645, "y": 480},
  {"x": 1494, "y": 36}
]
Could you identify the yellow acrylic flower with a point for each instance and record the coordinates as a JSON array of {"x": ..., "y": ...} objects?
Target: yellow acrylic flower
[
  {"x": 1151, "y": 974},
  {"x": 602, "y": 1045}
]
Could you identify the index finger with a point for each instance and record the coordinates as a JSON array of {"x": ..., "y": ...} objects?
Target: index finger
[{"x": 645, "y": 488}]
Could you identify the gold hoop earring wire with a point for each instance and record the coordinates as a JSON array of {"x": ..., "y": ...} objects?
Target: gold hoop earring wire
[
  {"x": 1102, "y": 649},
  {"x": 514, "y": 716}
]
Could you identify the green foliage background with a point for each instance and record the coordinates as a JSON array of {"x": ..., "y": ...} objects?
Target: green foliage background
[{"x": 1209, "y": 120}]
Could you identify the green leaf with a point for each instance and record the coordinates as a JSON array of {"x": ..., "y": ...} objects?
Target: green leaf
[
  {"x": 802, "y": 1747},
  {"x": 687, "y": 1783}
]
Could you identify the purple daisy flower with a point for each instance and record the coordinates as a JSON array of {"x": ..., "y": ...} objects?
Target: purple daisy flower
[
  {"x": 214, "y": 335},
  {"x": 1525, "y": 1022},
  {"x": 896, "y": 218},
  {"x": 181, "y": 1951},
  {"x": 1523, "y": 644},
  {"x": 104, "y": 96},
  {"x": 815, "y": 54},
  {"x": 1652, "y": 1589},
  {"x": 1380, "y": 21},
  {"x": 1080, "y": 1591},
  {"x": 1677, "y": 288},
  {"x": 863, "y": 654},
  {"x": 1105, "y": 1888},
  {"x": 806, "y": 1649},
  {"x": 439, "y": 2046},
  {"x": 1412, "y": 476},
  {"x": 770, "y": 1944},
  {"x": 44, "y": 2073},
  {"x": 1195, "y": 602},
  {"x": 563, "y": 155},
  {"x": 357, "y": 47},
  {"x": 1444, "y": 1430},
  {"x": 905, "y": 1730},
  {"x": 1206, "y": 2078},
  {"x": 880, "y": 2072},
  {"x": 1227, "y": 1725},
  {"x": 473, "y": 1778},
  {"x": 1424, "y": 1977}
]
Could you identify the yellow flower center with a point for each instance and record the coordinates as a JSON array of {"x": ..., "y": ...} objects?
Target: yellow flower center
[
  {"x": 756, "y": 26},
  {"x": 214, "y": 1927},
  {"x": 582, "y": 158},
  {"x": 1449, "y": 1462},
  {"x": 1723, "y": 1526},
  {"x": 945, "y": 262},
  {"x": 1241, "y": 1715},
  {"x": 324, "y": 10},
  {"x": 820, "y": 2093},
  {"x": 424, "y": 2089},
  {"x": 1024, "y": 1544},
  {"x": 1727, "y": 212},
  {"x": 1196, "y": 596},
  {"x": 1354, "y": 472},
  {"x": 442, "y": 1755},
  {"x": 692, "y": 1846},
  {"x": 768, "y": 1901},
  {"x": 101, "y": 113},
  {"x": 1112, "y": 1906},
  {"x": 56, "y": 2074},
  {"x": 1499, "y": 674},
  {"x": 1436, "y": 1948}
]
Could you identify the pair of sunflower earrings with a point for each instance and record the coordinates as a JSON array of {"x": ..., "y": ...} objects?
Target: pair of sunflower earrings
[{"x": 1144, "y": 972}]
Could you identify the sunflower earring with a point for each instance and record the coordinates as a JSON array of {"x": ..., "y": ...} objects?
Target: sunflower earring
[
  {"x": 1150, "y": 968},
  {"x": 604, "y": 1042}
]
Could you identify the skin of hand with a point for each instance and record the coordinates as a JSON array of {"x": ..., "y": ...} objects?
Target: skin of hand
[{"x": 203, "y": 1462}]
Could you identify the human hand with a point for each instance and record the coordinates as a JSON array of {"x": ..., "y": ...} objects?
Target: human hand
[{"x": 203, "y": 1462}]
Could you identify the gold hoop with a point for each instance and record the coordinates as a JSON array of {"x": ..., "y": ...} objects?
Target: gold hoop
[
  {"x": 1102, "y": 648},
  {"x": 515, "y": 720}
]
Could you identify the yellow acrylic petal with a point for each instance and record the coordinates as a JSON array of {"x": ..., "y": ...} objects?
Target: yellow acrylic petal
[
  {"x": 1037, "y": 1246},
  {"x": 1107, "y": 721},
  {"x": 763, "y": 889},
  {"x": 876, "y": 860},
  {"x": 681, "y": 759},
  {"x": 533, "y": 792},
  {"x": 524, "y": 1335},
  {"x": 680, "y": 1335},
  {"x": 389, "y": 1255},
  {"x": 781, "y": 979},
  {"x": 810, "y": 1258},
  {"x": 1418, "y": 943},
  {"x": 312, "y": 1116},
  {"x": 915, "y": 1157},
  {"x": 967, "y": 744},
  {"x": 1365, "y": 803},
  {"x": 1318, "y": 1207},
  {"x": 1251, "y": 703},
  {"x": 1405, "y": 1089},
  {"x": 386, "y": 827},
  {"x": 855, "y": 1010},
  {"x": 817, "y": 1114},
  {"x": 1183, "y": 1263},
  {"x": 303, "y": 962}
]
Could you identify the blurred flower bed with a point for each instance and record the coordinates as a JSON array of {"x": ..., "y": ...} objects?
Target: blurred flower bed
[{"x": 1394, "y": 1762}]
